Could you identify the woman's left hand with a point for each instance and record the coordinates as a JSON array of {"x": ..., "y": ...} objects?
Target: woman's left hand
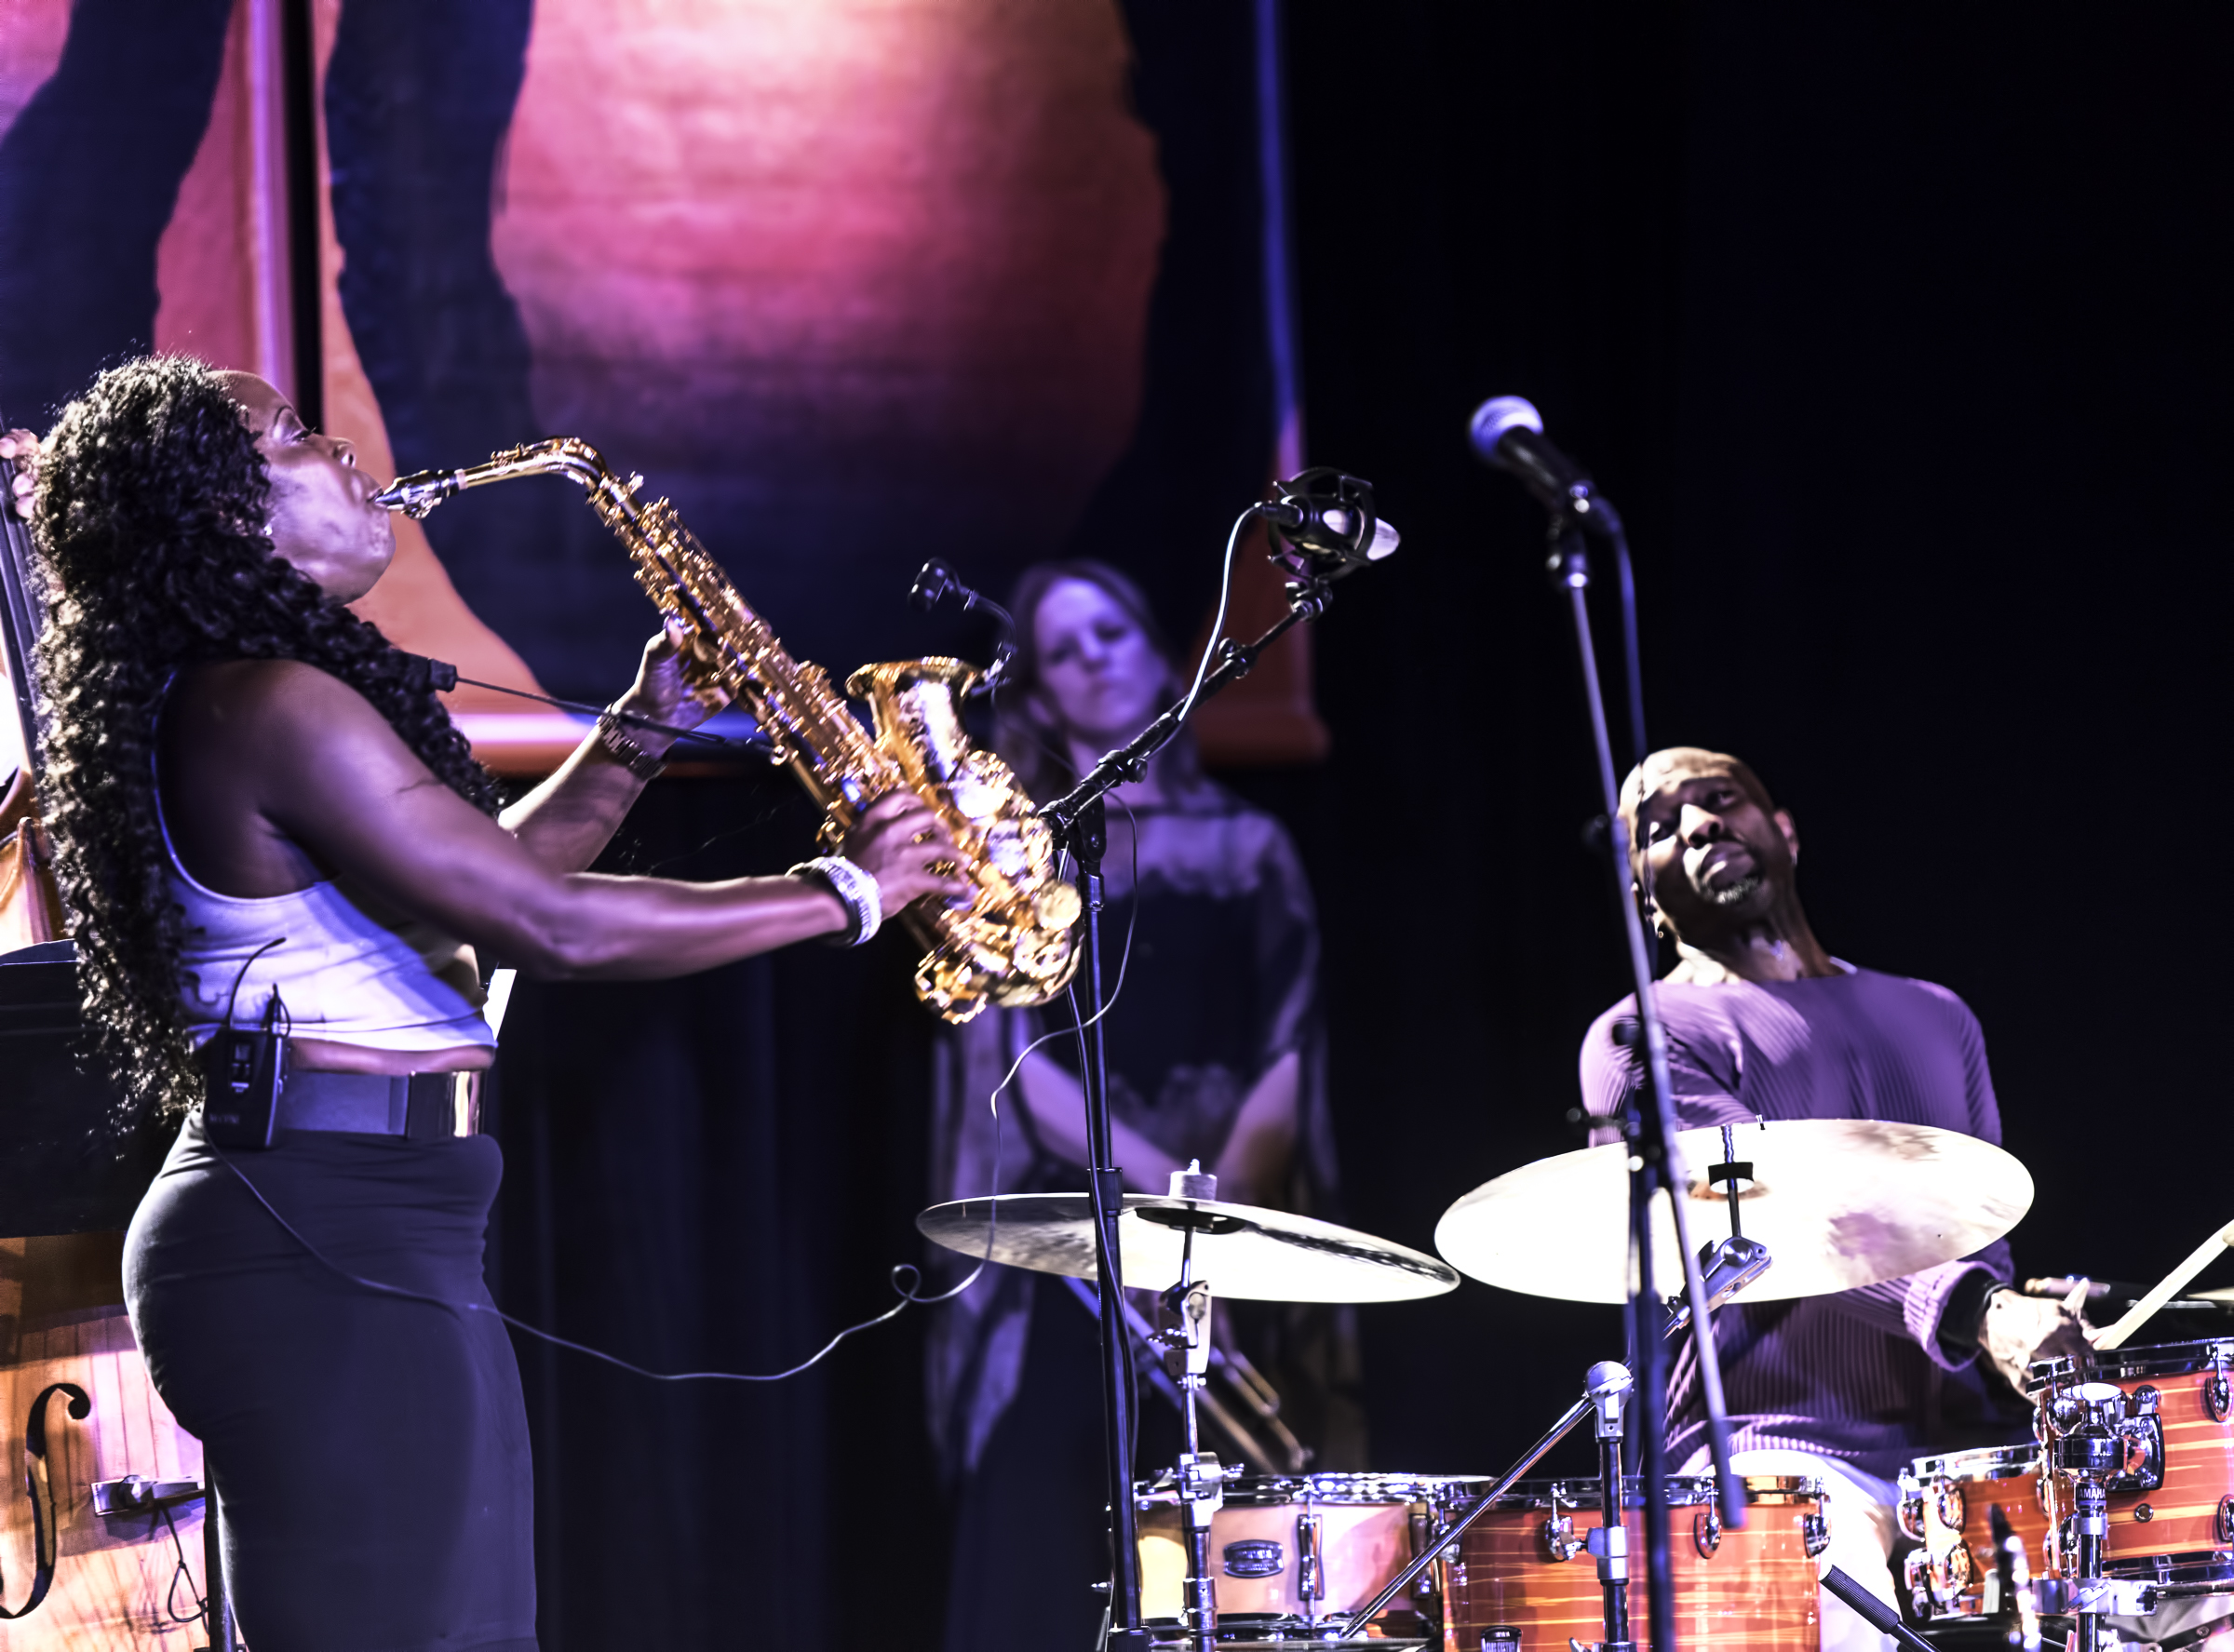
[
  {"x": 665, "y": 694},
  {"x": 24, "y": 448}
]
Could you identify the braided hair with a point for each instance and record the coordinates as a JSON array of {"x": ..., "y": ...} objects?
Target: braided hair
[{"x": 149, "y": 525}]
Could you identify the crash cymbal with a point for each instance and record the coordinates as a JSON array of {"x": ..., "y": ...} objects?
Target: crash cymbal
[
  {"x": 1840, "y": 1202},
  {"x": 1241, "y": 1250}
]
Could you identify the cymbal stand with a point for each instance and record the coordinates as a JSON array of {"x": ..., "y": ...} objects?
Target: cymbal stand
[
  {"x": 1081, "y": 829},
  {"x": 1650, "y": 1127},
  {"x": 1201, "y": 1478}
]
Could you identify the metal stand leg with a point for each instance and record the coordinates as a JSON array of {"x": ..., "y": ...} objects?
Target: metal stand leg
[{"x": 218, "y": 1618}]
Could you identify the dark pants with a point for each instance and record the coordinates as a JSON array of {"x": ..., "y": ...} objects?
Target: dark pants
[{"x": 369, "y": 1451}]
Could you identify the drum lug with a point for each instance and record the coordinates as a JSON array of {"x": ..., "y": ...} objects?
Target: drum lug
[
  {"x": 2216, "y": 1398},
  {"x": 1815, "y": 1533},
  {"x": 1953, "y": 1506},
  {"x": 2223, "y": 1526},
  {"x": 1311, "y": 1571},
  {"x": 1910, "y": 1510},
  {"x": 1706, "y": 1533},
  {"x": 1560, "y": 1537},
  {"x": 1916, "y": 1575}
]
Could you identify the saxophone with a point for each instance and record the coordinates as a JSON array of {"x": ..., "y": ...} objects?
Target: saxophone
[{"x": 1011, "y": 944}]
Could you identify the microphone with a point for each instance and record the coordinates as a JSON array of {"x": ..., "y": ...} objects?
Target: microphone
[
  {"x": 933, "y": 583},
  {"x": 1508, "y": 433},
  {"x": 1323, "y": 525}
]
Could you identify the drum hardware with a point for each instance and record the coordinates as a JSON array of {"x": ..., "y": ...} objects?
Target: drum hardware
[
  {"x": 1279, "y": 1453},
  {"x": 1200, "y": 1479},
  {"x": 2090, "y": 1443},
  {"x": 1728, "y": 1266}
]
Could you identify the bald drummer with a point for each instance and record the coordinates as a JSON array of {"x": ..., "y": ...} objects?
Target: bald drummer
[{"x": 1762, "y": 1021}]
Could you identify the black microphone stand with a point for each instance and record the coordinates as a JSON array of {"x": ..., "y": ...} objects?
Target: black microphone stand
[
  {"x": 1081, "y": 828},
  {"x": 1647, "y": 1128}
]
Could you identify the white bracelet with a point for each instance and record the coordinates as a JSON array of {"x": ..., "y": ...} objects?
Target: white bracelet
[{"x": 855, "y": 889}]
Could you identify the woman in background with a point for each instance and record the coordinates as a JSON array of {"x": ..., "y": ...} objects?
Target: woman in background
[{"x": 1214, "y": 1054}]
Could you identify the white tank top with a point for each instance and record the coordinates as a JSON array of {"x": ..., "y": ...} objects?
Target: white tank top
[{"x": 346, "y": 971}]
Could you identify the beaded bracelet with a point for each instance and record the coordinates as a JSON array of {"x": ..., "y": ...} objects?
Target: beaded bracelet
[{"x": 855, "y": 889}]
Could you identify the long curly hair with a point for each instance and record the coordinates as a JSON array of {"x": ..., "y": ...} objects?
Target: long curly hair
[{"x": 150, "y": 526}]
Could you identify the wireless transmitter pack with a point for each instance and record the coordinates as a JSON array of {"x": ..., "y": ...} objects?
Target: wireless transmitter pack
[{"x": 243, "y": 1069}]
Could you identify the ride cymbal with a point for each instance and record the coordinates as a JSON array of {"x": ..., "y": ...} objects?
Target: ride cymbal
[
  {"x": 1840, "y": 1202},
  {"x": 1242, "y": 1251}
]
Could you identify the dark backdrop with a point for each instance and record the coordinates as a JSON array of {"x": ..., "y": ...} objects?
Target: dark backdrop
[{"x": 1897, "y": 332}]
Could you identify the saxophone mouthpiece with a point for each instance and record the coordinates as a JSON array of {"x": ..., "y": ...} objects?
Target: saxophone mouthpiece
[{"x": 418, "y": 494}]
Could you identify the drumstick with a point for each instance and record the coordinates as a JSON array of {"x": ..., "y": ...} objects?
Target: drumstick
[{"x": 2166, "y": 1289}]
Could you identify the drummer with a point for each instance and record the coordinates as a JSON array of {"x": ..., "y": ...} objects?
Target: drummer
[{"x": 1763, "y": 1023}]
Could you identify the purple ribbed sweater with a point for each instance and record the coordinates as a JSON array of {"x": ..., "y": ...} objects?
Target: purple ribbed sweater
[{"x": 1859, "y": 1376}]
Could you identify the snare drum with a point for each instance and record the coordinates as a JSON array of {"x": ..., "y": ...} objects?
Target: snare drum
[
  {"x": 2172, "y": 1506},
  {"x": 1293, "y": 1556},
  {"x": 1523, "y": 1580},
  {"x": 1946, "y": 1504}
]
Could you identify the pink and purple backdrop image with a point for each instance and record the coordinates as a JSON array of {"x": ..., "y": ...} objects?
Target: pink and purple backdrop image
[{"x": 857, "y": 284}]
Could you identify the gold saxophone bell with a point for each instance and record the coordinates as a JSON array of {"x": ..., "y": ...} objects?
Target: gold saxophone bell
[{"x": 1010, "y": 943}]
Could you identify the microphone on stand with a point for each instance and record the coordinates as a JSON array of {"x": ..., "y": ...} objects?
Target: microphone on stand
[
  {"x": 1323, "y": 525},
  {"x": 933, "y": 583},
  {"x": 1508, "y": 434}
]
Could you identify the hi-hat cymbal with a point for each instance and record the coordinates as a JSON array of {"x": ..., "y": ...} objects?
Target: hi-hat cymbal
[
  {"x": 1241, "y": 1250},
  {"x": 1840, "y": 1202}
]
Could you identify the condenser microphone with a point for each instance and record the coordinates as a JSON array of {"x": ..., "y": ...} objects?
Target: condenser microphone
[
  {"x": 1508, "y": 433},
  {"x": 1324, "y": 524}
]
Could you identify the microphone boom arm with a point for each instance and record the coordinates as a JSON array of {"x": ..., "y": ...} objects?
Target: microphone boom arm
[{"x": 1307, "y": 600}]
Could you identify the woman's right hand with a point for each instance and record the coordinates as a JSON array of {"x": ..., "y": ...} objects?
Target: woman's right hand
[{"x": 903, "y": 845}]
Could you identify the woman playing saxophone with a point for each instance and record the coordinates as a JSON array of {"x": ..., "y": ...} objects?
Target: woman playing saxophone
[{"x": 263, "y": 816}]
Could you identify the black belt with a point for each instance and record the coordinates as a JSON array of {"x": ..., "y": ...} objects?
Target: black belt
[{"x": 421, "y": 1107}]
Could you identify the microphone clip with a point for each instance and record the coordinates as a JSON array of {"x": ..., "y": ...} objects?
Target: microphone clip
[
  {"x": 934, "y": 582},
  {"x": 1323, "y": 525}
]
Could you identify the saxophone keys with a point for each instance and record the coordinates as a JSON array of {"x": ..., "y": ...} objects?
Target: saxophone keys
[{"x": 1057, "y": 905}]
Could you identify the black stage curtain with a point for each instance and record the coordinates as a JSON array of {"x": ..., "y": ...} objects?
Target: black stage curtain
[{"x": 1898, "y": 335}]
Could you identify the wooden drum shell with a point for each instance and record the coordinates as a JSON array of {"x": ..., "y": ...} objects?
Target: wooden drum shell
[
  {"x": 1362, "y": 1534},
  {"x": 1756, "y": 1592}
]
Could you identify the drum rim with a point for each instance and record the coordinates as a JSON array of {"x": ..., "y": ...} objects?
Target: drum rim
[
  {"x": 1684, "y": 1491},
  {"x": 2024, "y": 1458},
  {"x": 1273, "y": 1491},
  {"x": 2162, "y": 1359}
]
